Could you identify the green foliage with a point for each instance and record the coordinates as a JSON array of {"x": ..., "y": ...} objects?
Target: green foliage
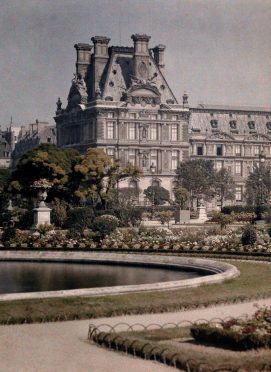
[
  {"x": 249, "y": 236},
  {"x": 26, "y": 219},
  {"x": 59, "y": 212},
  {"x": 128, "y": 215},
  {"x": 164, "y": 217},
  {"x": 237, "y": 209},
  {"x": 224, "y": 185},
  {"x": 197, "y": 176},
  {"x": 105, "y": 225},
  {"x": 4, "y": 177},
  {"x": 222, "y": 219},
  {"x": 45, "y": 228},
  {"x": 44, "y": 162},
  {"x": 181, "y": 197},
  {"x": 157, "y": 194},
  {"x": 8, "y": 234},
  {"x": 258, "y": 185},
  {"x": 79, "y": 218}
]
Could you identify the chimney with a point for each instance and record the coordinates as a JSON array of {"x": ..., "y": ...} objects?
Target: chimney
[
  {"x": 83, "y": 58},
  {"x": 100, "y": 58},
  {"x": 158, "y": 55},
  {"x": 141, "y": 56}
]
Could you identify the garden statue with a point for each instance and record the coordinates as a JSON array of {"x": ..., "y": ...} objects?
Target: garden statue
[
  {"x": 202, "y": 215},
  {"x": 42, "y": 214}
]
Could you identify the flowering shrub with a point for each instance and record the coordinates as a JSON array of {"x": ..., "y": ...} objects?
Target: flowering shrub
[{"x": 251, "y": 333}]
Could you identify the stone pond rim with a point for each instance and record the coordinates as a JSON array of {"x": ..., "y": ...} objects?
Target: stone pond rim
[{"x": 219, "y": 271}]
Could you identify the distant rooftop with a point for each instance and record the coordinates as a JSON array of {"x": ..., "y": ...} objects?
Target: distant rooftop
[{"x": 205, "y": 106}]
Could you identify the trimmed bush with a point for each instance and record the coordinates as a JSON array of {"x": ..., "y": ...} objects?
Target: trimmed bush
[
  {"x": 249, "y": 236},
  {"x": 105, "y": 225},
  {"x": 79, "y": 218},
  {"x": 8, "y": 234}
]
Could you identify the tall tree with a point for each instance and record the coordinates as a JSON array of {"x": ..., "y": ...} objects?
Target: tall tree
[
  {"x": 181, "y": 197},
  {"x": 258, "y": 185},
  {"x": 45, "y": 161},
  {"x": 197, "y": 176},
  {"x": 224, "y": 185},
  {"x": 157, "y": 194},
  {"x": 97, "y": 176}
]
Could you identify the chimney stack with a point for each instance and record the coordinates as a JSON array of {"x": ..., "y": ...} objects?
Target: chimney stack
[
  {"x": 141, "y": 56},
  {"x": 158, "y": 55},
  {"x": 100, "y": 58},
  {"x": 83, "y": 58}
]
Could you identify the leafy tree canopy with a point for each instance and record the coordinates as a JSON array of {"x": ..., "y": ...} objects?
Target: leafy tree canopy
[
  {"x": 197, "y": 176},
  {"x": 224, "y": 185},
  {"x": 181, "y": 195},
  {"x": 157, "y": 194},
  {"x": 258, "y": 185},
  {"x": 45, "y": 161}
]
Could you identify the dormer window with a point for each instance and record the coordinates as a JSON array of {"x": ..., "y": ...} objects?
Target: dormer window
[
  {"x": 251, "y": 124},
  {"x": 233, "y": 124},
  {"x": 268, "y": 125},
  {"x": 214, "y": 123}
]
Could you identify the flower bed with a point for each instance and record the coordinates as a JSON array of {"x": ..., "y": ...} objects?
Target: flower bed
[{"x": 251, "y": 333}]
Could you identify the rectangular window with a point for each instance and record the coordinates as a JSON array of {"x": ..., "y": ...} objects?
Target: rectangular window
[
  {"x": 174, "y": 132},
  {"x": 238, "y": 193},
  {"x": 154, "y": 132},
  {"x": 110, "y": 130},
  {"x": 238, "y": 150},
  {"x": 110, "y": 153},
  {"x": 200, "y": 150},
  {"x": 131, "y": 155},
  {"x": 257, "y": 150},
  {"x": 132, "y": 115},
  {"x": 153, "y": 117},
  {"x": 174, "y": 117},
  {"x": 110, "y": 115},
  {"x": 174, "y": 159},
  {"x": 131, "y": 133},
  {"x": 154, "y": 158},
  {"x": 219, "y": 150},
  {"x": 218, "y": 165},
  {"x": 238, "y": 168}
]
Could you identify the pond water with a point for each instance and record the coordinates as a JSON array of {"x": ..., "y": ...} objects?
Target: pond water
[{"x": 16, "y": 277}]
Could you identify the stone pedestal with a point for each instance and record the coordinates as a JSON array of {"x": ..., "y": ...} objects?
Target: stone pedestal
[
  {"x": 42, "y": 215},
  {"x": 182, "y": 216},
  {"x": 202, "y": 215}
]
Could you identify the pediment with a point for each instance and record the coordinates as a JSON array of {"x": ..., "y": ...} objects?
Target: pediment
[
  {"x": 220, "y": 135},
  {"x": 143, "y": 94},
  {"x": 258, "y": 137}
]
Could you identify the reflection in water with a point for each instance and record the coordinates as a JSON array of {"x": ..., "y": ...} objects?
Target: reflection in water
[{"x": 16, "y": 277}]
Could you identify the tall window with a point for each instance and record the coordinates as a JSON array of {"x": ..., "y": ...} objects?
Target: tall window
[
  {"x": 154, "y": 158},
  {"x": 218, "y": 165},
  {"x": 199, "y": 150},
  {"x": 238, "y": 193},
  {"x": 219, "y": 150},
  {"x": 174, "y": 132},
  {"x": 132, "y": 115},
  {"x": 110, "y": 130},
  {"x": 257, "y": 150},
  {"x": 110, "y": 153},
  {"x": 238, "y": 150},
  {"x": 131, "y": 131},
  {"x": 131, "y": 155},
  {"x": 153, "y": 116},
  {"x": 238, "y": 168},
  {"x": 110, "y": 115},
  {"x": 174, "y": 117},
  {"x": 174, "y": 159},
  {"x": 154, "y": 132}
]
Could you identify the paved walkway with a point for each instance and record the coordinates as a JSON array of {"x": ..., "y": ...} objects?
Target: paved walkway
[{"x": 63, "y": 346}]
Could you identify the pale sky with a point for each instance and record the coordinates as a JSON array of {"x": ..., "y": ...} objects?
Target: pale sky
[{"x": 218, "y": 51}]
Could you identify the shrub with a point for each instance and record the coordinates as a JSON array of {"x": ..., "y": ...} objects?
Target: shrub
[
  {"x": 164, "y": 217},
  {"x": 249, "y": 236},
  {"x": 26, "y": 219},
  {"x": 222, "y": 219},
  {"x": 79, "y": 218},
  {"x": 105, "y": 224},
  {"x": 59, "y": 212},
  {"x": 8, "y": 234}
]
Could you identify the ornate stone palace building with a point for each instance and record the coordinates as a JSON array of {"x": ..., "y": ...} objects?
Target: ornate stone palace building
[
  {"x": 233, "y": 137},
  {"x": 120, "y": 101}
]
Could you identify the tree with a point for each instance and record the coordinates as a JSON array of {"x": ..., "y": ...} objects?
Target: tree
[
  {"x": 181, "y": 196},
  {"x": 197, "y": 176},
  {"x": 97, "y": 176},
  {"x": 44, "y": 162},
  {"x": 258, "y": 185},
  {"x": 157, "y": 194},
  {"x": 224, "y": 185}
]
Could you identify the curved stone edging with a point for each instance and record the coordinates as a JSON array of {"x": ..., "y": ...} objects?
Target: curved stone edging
[{"x": 219, "y": 271}]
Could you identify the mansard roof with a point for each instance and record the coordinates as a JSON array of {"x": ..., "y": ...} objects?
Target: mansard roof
[{"x": 235, "y": 121}]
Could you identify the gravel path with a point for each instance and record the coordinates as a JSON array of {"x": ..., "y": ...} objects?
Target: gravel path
[{"x": 63, "y": 346}]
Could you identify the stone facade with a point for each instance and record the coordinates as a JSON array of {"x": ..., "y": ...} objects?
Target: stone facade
[
  {"x": 233, "y": 137},
  {"x": 31, "y": 136},
  {"x": 120, "y": 101}
]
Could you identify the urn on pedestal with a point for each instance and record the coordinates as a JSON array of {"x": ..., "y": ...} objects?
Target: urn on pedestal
[{"x": 42, "y": 214}]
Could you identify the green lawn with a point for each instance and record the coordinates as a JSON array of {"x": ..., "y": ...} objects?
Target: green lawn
[{"x": 253, "y": 282}]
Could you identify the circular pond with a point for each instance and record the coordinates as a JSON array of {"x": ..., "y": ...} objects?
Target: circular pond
[{"x": 16, "y": 277}]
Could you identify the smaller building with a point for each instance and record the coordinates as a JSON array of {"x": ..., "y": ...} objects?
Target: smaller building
[{"x": 32, "y": 135}]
